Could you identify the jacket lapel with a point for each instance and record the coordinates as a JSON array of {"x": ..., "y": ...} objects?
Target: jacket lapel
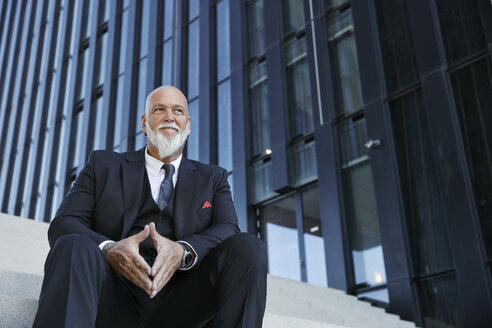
[
  {"x": 132, "y": 173},
  {"x": 184, "y": 193}
]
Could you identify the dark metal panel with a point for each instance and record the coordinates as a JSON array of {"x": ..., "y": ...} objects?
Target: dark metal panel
[
  {"x": 238, "y": 116},
  {"x": 383, "y": 162},
  {"x": 207, "y": 152},
  {"x": 152, "y": 48},
  {"x": 331, "y": 213},
  {"x": 277, "y": 98},
  {"x": 400, "y": 303},
  {"x": 457, "y": 195},
  {"x": 429, "y": 53},
  {"x": 485, "y": 8},
  {"x": 300, "y": 236},
  {"x": 131, "y": 80}
]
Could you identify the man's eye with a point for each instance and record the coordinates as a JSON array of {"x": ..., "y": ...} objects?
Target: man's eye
[
  {"x": 159, "y": 109},
  {"x": 179, "y": 111}
]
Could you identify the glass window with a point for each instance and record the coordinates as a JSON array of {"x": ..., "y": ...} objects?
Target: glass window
[
  {"x": 293, "y": 15},
  {"x": 260, "y": 180},
  {"x": 142, "y": 93},
  {"x": 194, "y": 9},
  {"x": 302, "y": 160},
  {"x": 224, "y": 125},
  {"x": 425, "y": 215},
  {"x": 99, "y": 143},
  {"x": 400, "y": 67},
  {"x": 106, "y": 8},
  {"x": 119, "y": 112},
  {"x": 168, "y": 19},
  {"x": 256, "y": 27},
  {"x": 378, "y": 295},
  {"x": 89, "y": 8},
  {"x": 82, "y": 74},
  {"x": 258, "y": 111},
  {"x": 74, "y": 22},
  {"x": 301, "y": 111},
  {"x": 360, "y": 205},
  {"x": 140, "y": 141},
  {"x": 101, "y": 57},
  {"x": 193, "y": 59},
  {"x": 281, "y": 238},
  {"x": 77, "y": 132},
  {"x": 439, "y": 301},
  {"x": 462, "y": 29},
  {"x": 329, "y": 4},
  {"x": 344, "y": 50},
  {"x": 472, "y": 86},
  {"x": 313, "y": 238},
  {"x": 167, "y": 63},
  {"x": 144, "y": 32},
  {"x": 194, "y": 138},
  {"x": 223, "y": 41},
  {"x": 123, "y": 42}
]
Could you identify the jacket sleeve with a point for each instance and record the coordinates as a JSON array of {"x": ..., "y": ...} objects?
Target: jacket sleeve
[
  {"x": 75, "y": 214},
  {"x": 224, "y": 222}
]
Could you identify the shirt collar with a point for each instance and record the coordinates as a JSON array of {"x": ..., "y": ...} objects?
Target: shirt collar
[{"x": 154, "y": 165}]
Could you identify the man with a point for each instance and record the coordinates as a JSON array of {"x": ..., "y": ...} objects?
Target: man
[{"x": 150, "y": 239}]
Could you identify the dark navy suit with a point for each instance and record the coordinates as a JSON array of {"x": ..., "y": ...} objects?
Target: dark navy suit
[{"x": 227, "y": 284}]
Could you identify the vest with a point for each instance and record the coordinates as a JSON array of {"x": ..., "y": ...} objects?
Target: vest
[{"x": 149, "y": 212}]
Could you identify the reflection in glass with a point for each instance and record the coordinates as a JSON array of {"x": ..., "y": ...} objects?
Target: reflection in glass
[
  {"x": 260, "y": 180},
  {"x": 439, "y": 300},
  {"x": 167, "y": 63},
  {"x": 193, "y": 142},
  {"x": 256, "y": 27},
  {"x": 378, "y": 295},
  {"x": 342, "y": 39},
  {"x": 193, "y": 59},
  {"x": 472, "y": 86},
  {"x": 334, "y": 3},
  {"x": 400, "y": 66},
  {"x": 360, "y": 205},
  {"x": 313, "y": 238},
  {"x": 420, "y": 186},
  {"x": 293, "y": 15},
  {"x": 96, "y": 121},
  {"x": 282, "y": 239},
  {"x": 258, "y": 111},
  {"x": 223, "y": 41},
  {"x": 301, "y": 111},
  {"x": 302, "y": 160},
  {"x": 224, "y": 128}
]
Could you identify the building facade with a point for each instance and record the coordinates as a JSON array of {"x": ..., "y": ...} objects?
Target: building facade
[{"x": 356, "y": 133}]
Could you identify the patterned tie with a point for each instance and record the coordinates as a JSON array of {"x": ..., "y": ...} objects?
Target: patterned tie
[{"x": 166, "y": 188}]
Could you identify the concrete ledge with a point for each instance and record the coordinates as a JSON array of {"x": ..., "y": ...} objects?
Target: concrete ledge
[{"x": 16, "y": 312}]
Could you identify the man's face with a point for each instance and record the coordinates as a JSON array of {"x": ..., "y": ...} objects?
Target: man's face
[{"x": 166, "y": 121}]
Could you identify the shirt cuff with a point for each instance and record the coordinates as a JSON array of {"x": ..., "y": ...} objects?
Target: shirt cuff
[
  {"x": 104, "y": 243},
  {"x": 195, "y": 255}
]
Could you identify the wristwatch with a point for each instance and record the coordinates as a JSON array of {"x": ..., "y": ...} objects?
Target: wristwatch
[{"x": 187, "y": 257}]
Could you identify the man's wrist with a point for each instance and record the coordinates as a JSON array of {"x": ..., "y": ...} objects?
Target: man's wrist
[{"x": 108, "y": 246}]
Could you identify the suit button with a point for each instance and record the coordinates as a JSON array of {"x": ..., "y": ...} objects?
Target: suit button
[{"x": 161, "y": 218}]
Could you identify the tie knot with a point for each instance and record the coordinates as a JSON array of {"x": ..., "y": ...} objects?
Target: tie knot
[{"x": 169, "y": 168}]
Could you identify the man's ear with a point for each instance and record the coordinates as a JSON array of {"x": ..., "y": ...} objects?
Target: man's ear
[{"x": 143, "y": 119}]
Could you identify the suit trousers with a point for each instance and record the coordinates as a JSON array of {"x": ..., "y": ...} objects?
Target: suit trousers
[{"x": 80, "y": 289}]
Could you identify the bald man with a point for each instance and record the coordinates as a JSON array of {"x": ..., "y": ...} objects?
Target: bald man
[{"x": 150, "y": 239}]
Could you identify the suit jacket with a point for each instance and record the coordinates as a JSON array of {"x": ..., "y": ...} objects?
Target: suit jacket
[{"x": 103, "y": 201}]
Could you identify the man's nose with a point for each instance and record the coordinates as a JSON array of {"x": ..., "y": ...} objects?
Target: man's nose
[{"x": 168, "y": 116}]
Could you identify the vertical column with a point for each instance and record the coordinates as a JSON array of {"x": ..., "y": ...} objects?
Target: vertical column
[{"x": 384, "y": 166}]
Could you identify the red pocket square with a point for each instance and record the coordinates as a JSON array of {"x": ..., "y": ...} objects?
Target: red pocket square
[{"x": 206, "y": 204}]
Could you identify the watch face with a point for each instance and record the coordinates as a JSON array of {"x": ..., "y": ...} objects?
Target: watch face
[{"x": 187, "y": 259}]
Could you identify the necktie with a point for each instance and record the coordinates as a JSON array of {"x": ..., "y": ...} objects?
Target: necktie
[{"x": 166, "y": 188}]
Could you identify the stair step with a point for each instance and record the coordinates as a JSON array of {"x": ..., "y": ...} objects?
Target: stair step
[{"x": 17, "y": 312}]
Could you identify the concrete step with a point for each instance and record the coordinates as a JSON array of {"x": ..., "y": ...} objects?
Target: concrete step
[{"x": 290, "y": 304}]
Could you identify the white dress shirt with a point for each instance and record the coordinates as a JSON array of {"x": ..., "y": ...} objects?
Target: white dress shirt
[{"x": 156, "y": 174}]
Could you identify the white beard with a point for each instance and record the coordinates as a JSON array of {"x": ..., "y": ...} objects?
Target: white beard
[{"x": 167, "y": 146}]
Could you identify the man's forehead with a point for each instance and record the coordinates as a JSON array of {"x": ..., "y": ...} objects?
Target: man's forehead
[{"x": 167, "y": 93}]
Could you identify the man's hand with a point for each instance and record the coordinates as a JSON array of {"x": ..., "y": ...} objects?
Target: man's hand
[
  {"x": 124, "y": 258},
  {"x": 168, "y": 260}
]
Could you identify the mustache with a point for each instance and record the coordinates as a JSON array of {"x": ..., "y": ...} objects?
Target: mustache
[{"x": 168, "y": 125}]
